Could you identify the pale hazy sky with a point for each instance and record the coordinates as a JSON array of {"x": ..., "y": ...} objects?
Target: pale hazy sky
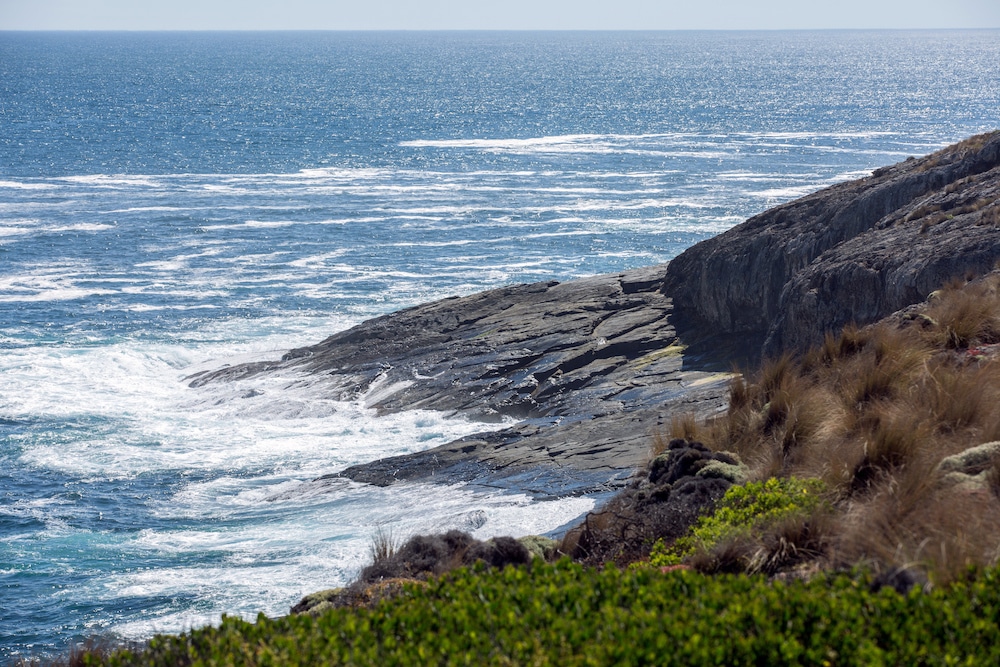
[{"x": 498, "y": 15}]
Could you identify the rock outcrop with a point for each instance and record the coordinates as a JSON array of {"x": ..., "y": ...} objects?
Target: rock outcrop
[
  {"x": 855, "y": 252},
  {"x": 678, "y": 486},
  {"x": 590, "y": 368}
]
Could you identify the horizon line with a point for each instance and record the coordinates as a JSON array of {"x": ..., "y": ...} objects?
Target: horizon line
[{"x": 489, "y": 30}]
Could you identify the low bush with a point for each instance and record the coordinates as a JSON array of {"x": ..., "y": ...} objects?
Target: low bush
[
  {"x": 681, "y": 482},
  {"x": 423, "y": 556},
  {"x": 743, "y": 514},
  {"x": 567, "y": 614}
]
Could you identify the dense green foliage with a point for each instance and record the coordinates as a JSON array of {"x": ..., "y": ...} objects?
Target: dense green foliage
[
  {"x": 742, "y": 509},
  {"x": 566, "y": 614}
]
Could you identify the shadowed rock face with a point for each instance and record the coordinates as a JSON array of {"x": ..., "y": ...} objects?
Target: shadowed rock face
[{"x": 855, "y": 252}]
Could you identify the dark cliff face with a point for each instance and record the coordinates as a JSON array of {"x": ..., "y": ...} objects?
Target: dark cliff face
[{"x": 854, "y": 252}]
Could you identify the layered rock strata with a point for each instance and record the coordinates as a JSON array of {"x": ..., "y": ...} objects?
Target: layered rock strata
[
  {"x": 589, "y": 369},
  {"x": 854, "y": 252}
]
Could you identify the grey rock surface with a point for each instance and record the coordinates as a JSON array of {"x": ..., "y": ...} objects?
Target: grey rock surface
[
  {"x": 590, "y": 369},
  {"x": 855, "y": 252}
]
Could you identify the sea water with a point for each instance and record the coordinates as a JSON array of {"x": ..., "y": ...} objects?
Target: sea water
[{"x": 172, "y": 202}]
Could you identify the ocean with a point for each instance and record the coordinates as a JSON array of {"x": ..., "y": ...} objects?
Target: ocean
[{"x": 173, "y": 202}]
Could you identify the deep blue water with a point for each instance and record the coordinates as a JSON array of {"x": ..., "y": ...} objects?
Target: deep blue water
[{"x": 171, "y": 202}]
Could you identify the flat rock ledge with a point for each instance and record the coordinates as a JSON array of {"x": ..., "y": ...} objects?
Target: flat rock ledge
[{"x": 585, "y": 371}]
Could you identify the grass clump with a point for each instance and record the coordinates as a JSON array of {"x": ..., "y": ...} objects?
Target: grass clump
[
  {"x": 383, "y": 546},
  {"x": 872, "y": 413}
]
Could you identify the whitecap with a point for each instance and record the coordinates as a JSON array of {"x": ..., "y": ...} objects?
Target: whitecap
[
  {"x": 82, "y": 227},
  {"x": 786, "y": 193},
  {"x": 107, "y": 180},
  {"x": 269, "y": 224},
  {"x": 18, "y": 185}
]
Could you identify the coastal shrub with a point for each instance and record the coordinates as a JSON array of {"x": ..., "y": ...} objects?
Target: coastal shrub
[
  {"x": 567, "y": 614},
  {"x": 743, "y": 510},
  {"x": 426, "y": 555}
]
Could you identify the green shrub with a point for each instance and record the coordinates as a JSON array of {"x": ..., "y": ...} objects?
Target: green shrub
[
  {"x": 742, "y": 510},
  {"x": 565, "y": 614}
]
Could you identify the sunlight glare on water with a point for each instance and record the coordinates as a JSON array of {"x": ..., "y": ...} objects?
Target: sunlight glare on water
[{"x": 174, "y": 202}]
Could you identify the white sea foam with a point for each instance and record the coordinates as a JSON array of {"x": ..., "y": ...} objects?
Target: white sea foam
[
  {"x": 283, "y": 422},
  {"x": 269, "y": 224},
  {"x": 82, "y": 227},
  {"x": 848, "y": 176},
  {"x": 19, "y": 185},
  {"x": 749, "y": 177},
  {"x": 803, "y": 136},
  {"x": 269, "y": 566},
  {"x": 54, "y": 294},
  {"x": 113, "y": 181},
  {"x": 444, "y": 209},
  {"x": 684, "y": 145},
  {"x": 14, "y": 231},
  {"x": 785, "y": 193},
  {"x": 16, "y": 228},
  {"x": 161, "y": 209},
  {"x": 50, "y": 282},
  {"x": 534, "y": 143},
  {"x": 341, "y": 173},
  {"x": 268, "y": 530}
]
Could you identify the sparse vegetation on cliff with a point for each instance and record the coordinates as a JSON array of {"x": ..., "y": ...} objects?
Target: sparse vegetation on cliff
[
  {"x": 743, "y": 514},
  {"x": 882, "y": 416}
]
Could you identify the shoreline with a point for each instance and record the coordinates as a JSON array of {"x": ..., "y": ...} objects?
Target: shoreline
[
  {"x": 594, "y": 368},
  {"x": 585, "y": 366},
  {"x": 611, "y": 356}
]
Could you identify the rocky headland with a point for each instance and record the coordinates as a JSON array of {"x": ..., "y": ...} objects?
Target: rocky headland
[
  {"x": 588, "y": 371},
  {"x": 854, "y": 252}
]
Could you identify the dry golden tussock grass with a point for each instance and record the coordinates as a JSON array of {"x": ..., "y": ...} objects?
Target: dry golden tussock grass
[{"x": 872, "y": 412}]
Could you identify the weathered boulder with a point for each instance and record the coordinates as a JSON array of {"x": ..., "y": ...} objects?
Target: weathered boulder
[
  {"x": 663, "y": 502},
  {"x": 854, "y": 252},
  {"x": 972, "y": 461},
  {"x": 539, "y": 546},
  {"x": 971, "y": 469},
  {"x": 355, "y": 596}
]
